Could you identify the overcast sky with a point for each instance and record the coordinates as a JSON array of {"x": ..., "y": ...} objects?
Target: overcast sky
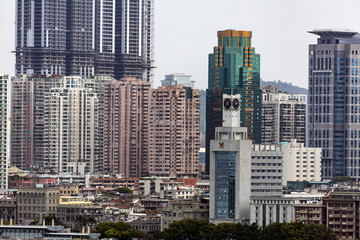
[{"x": 185, "y": 33}]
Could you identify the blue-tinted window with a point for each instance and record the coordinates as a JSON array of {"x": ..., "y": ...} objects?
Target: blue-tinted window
[{"x": 225, "y": 184}]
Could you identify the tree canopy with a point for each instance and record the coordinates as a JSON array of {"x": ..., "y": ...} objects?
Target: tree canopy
[
  {"x": 192, "y": 229},
  {"x": 118, "y": 230}
]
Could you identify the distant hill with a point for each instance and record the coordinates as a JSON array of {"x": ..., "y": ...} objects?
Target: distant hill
[{"x": 285, "y": 87}]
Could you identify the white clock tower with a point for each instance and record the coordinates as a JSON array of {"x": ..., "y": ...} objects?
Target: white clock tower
[{"x": 231, "y": 110}]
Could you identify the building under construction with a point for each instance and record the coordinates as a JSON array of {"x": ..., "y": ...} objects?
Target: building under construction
[{"x": 84, "y": 38}]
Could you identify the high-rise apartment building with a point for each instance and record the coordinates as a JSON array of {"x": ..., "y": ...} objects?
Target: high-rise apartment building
[
  {"x": 234, "y": 68},
  {"x": 27, "y": 118},
  {"x": 83, "y": 38},
  {"x": 125, "y": 133},
  {"x": 30, "y": 101},
  {"x": 333, "y": 102},
  {"x": 283, "y": 118},
  {"x": 174, "y": 136},
  {"x": 71, "y": 128},
  {"x": 4, "y": 130}
]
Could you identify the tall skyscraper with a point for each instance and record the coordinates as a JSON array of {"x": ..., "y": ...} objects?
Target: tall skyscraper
[
  {"x": 125, "y": 133},
  {"x": 71, "y": 128},
  {"x": 333, "y": 102},
  {"x": 174, "y": 136},
  {"x": 134, "y": 28},
  {"x": 54, "y": 37},
  {"x": 234, "y": 68},
  {"x": 84, "y": 38},
  {"x": 4, "y": 131}
]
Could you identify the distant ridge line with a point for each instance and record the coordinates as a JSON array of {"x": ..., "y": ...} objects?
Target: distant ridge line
[{"x": 285, "y": 87}]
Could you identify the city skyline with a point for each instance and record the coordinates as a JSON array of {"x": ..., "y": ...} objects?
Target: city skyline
[{"x": 170, "y": 24}]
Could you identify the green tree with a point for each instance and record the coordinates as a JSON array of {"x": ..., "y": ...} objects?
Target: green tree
[
  {"x": 118, "y": 230},
  {"x": 83, "y": 221},
  {"x": 188, "y": 229},
  {"x": 297, "y": 231},
  {"x": 123, "y": 190}
]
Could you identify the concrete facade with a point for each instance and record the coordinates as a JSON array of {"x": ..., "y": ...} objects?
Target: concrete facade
[
  {"x": 36, "y": 203},
  {"x": 27, "y": 119},
  {"x": 301, "y": 163},
  {"x": 230, "y": 167},
  {"x": 174, "y": 137},
  {"x": 8, "y": 209},
  {"x": 71, "y": 136},
  {"x": 83, "y": 38},
  {"x": 267, "y": 210},
  {"x": 178, "y": 210},
  {"x": 266, "y": 170}
]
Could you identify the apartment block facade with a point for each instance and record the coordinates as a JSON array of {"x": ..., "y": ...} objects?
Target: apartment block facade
[
  {"x": 125, "y": 134},
  {"x": 71, "y": 128},
  {"x": 27, "y": 119},
  {"x": 283, "y": 118},
  {"x": 174, "y": 137}
]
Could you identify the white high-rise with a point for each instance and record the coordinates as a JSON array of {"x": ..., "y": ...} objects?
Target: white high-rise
[{"x": 71, "y": 139}]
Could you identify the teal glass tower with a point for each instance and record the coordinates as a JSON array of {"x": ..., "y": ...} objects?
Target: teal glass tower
[{"x": 234, "y": 68}]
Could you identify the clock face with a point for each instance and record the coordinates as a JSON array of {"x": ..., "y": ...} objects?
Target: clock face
[
  {"x": 227, "y": 103},
  {"x": 236, "y": 103}
]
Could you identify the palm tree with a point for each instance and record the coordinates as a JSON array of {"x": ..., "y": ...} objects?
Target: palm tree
[{"x": 82, "y": 221}]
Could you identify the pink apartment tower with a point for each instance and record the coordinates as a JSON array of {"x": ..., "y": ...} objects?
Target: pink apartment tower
[
  {"x": 125, "y": 133},
  {"x": 174, "y": 133}
]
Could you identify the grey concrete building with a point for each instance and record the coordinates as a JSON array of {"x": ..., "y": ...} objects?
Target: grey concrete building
[
  {"x": 333, "y": 102},
  {"x": 68, "y": 213},
  {"x": 36, "y": 203},
  {"x": 266, "y": 170},
  {"x": 180, "y": 209},
  {"x": 8, "y": 209}
]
